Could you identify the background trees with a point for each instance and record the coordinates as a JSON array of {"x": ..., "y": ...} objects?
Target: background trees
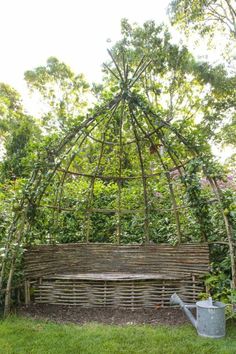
[
  {"x": 19, "y": 132},
  {"x": 187, "y": 101},
  {"x": 216, "y": 22},
  {"x": 63, "y": 94},
  {"x": 205, "y": 16}
]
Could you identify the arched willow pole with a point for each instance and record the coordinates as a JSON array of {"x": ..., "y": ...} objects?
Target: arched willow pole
[{"x": 129, "y": 116}]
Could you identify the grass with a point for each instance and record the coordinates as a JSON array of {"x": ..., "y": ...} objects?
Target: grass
[{"x": 24, "y": 336}]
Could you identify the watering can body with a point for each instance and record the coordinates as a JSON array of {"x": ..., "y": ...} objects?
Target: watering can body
[{"x": 210, "y": 321}]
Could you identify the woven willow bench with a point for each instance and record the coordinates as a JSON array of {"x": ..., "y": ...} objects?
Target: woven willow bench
[{"x": 98, "y": 275}]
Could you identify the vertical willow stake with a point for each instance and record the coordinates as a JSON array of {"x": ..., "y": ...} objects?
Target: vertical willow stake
[
  {"x": 91, "y": 189},
  {"x": 175, "y": 207},
  {"x": 59, "y": 192},
  {"x": 228, "y": 228},
  {"x": 7, "y": 248},
  {"x": 146, "y": 220},
  {"x": 13, "y": 262},
  {"x": 120, "y": 172},
  {"x": 14, "y": 224},
  {"x": 160, "y": 135},
  {"x": 172, "y": 194},
  {"x": 173, "y": 199}
]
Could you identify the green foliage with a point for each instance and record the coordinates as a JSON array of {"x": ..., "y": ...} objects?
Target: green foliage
[
  {"x": 198, "y": 201},
  {"x": 218, "y": 286}
]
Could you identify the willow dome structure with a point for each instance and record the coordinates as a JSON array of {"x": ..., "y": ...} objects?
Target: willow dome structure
[{"x": 130, "y": 149}]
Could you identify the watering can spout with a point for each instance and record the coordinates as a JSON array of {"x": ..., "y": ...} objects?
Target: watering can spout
[{"x": 175, "y": 300}]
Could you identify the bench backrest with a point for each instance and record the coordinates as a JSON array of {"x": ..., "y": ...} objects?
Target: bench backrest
[{"x": 182, "y": 260}]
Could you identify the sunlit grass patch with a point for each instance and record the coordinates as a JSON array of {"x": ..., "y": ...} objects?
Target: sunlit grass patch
[{"x": 24, "y": 336}]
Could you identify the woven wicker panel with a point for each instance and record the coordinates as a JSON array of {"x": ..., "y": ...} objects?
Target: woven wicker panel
[
  {"x": 180, "y": 261},
  {"x": 118, "y": 294}
]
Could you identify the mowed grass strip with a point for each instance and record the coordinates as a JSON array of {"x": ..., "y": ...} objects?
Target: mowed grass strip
[{"x": 25, "y": 336}]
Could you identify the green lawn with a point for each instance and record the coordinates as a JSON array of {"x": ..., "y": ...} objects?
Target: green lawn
[{"x": 19, "y": 335}]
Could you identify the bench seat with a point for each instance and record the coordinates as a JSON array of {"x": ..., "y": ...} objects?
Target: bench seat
[{"x": 114, "y": 276}]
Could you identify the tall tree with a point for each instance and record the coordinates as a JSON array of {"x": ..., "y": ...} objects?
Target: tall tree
[
  {"x": 205, "y": 16},
  {"x": 63, "y": 94}
]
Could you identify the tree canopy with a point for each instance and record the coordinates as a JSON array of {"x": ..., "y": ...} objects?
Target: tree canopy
[
  {"x": 134, "y": 166},
  {"x": 205, "y": 16},
  {"x": 216, "y": 21}
]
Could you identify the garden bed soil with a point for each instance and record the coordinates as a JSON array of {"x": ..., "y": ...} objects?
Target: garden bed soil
[{"x": 78, "y": 315}]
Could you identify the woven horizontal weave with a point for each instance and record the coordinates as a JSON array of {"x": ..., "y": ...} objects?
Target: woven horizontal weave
[{"x": 128, "y": 276}]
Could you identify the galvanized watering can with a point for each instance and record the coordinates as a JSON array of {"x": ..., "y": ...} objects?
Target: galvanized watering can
[{"x": 210, "y": 321}]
